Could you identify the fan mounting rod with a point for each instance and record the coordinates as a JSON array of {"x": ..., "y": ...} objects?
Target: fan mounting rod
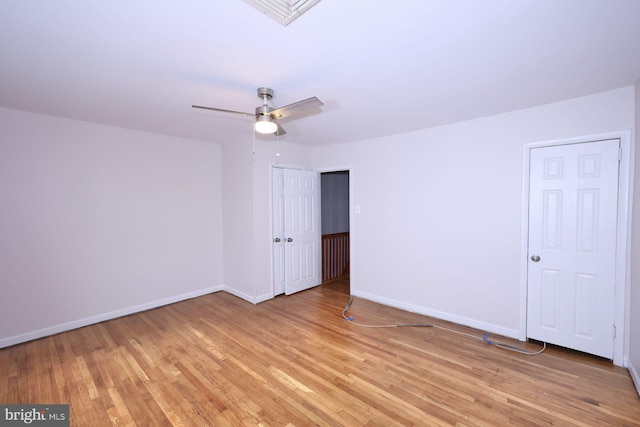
[{"x": 265, "y": 92}]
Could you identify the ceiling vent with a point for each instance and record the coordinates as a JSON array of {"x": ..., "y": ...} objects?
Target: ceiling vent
[{"x": 282, "y": 11}]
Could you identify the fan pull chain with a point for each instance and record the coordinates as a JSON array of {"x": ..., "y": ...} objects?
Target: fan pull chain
[
  {"x": 277, "y": 144},
  {"x": 254, "y": 139}
]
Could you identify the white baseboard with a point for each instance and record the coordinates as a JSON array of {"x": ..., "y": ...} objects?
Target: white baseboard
[
  {"x": 240, "y": 294},
  {"x": 247, "y": 297},
  {"x": 263, "y": 298},
  {"x": 52, "y": 330},
  {"x": 63, "y": 327},
  {"x": 635, "y": 376},
  {"x": 472, "y": 323}
]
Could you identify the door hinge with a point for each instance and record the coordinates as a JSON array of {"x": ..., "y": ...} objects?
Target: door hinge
[
  {"x": 619, "y": 154},
  {"x": 614, "y": 331}
]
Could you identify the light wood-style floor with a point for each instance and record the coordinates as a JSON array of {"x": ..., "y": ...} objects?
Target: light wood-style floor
[{"x": 294, "y": 361}]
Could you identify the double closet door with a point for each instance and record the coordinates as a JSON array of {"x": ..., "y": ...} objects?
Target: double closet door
[{"x": 296, "y": 230}]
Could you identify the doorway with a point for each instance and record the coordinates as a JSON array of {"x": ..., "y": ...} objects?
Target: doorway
[
  {"x": 336, "y": 242},
  {"x": 575, "y": 243},
  {"x": 572, "y": 245}
]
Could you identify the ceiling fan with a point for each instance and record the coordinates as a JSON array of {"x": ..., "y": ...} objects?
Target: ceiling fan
[{"x": 266, "y": 117}]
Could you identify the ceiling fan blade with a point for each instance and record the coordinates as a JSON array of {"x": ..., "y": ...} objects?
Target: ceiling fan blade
[
  {"x": 223, "y": 110},
  {"x": 280, "y": 131},
  {"x": 291, "y": 109}
]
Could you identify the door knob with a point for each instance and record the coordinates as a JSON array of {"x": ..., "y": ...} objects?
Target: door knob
[
  {"x": 277, "y": 239},
  {"x": 289, "y": 239},
  {"x": 535, "y": 258}
]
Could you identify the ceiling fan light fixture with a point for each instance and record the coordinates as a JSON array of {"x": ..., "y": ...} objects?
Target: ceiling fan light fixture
[{"x": 264, "y": 124}]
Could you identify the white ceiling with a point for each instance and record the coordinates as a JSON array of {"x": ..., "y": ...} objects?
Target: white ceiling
[{"x": 379, "y": 67}]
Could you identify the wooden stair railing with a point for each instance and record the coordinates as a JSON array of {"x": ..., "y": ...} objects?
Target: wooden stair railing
[{"x": 335, "y": 256}]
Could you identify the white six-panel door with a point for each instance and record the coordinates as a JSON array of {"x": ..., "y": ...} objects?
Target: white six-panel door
[
  {"x": 277, "y": 189},
  {"x": 296, "y": 230},
  {"x": 302, "y": 230},
  {"x": 572, "y": 245}
]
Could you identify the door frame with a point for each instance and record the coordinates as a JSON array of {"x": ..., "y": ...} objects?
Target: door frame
[
  {"x": 320, "y": 171},
  {"x": 353, "y": 209},
  {"x": 346, "y": 169},
  {"x": 623, "y": 241}
]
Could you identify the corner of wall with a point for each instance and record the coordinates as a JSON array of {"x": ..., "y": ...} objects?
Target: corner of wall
[
  {"x": 634, "y": 281},
  {"x": 635, "y": 376}
]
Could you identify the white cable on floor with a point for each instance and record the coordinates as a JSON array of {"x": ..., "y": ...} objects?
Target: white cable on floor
[{"x": 485, "y": 338}]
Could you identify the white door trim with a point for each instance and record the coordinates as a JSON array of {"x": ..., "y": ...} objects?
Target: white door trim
[
  {"x": 352, "y": 241},
  {"x": 623, "y": 245}
]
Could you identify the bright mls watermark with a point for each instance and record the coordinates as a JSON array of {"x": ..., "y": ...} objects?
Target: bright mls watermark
[{"x": 36, "y": 415}]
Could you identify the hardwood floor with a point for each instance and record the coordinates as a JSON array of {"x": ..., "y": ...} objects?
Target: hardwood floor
[
  {"x": 294, "y": 361},
  {"x": 341, "y": 285}
]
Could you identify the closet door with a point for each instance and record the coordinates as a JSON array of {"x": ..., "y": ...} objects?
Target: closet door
[
  {"x": 302, "y": 230},
  {"x": 277, "y": 194},
  {"x": 572, "y": 245},
  {"x": 296, "y": 230}
]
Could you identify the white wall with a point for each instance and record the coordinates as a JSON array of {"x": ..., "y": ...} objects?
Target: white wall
[
  {"x": 634, "y": 352},
  {"x": 98, "y": 222},
  {"x": 335, "y": 202},
  {"x": 247, "y": 212},
  {"x": 439, "y": 228},
  {"x": 237, "y": 207}
]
